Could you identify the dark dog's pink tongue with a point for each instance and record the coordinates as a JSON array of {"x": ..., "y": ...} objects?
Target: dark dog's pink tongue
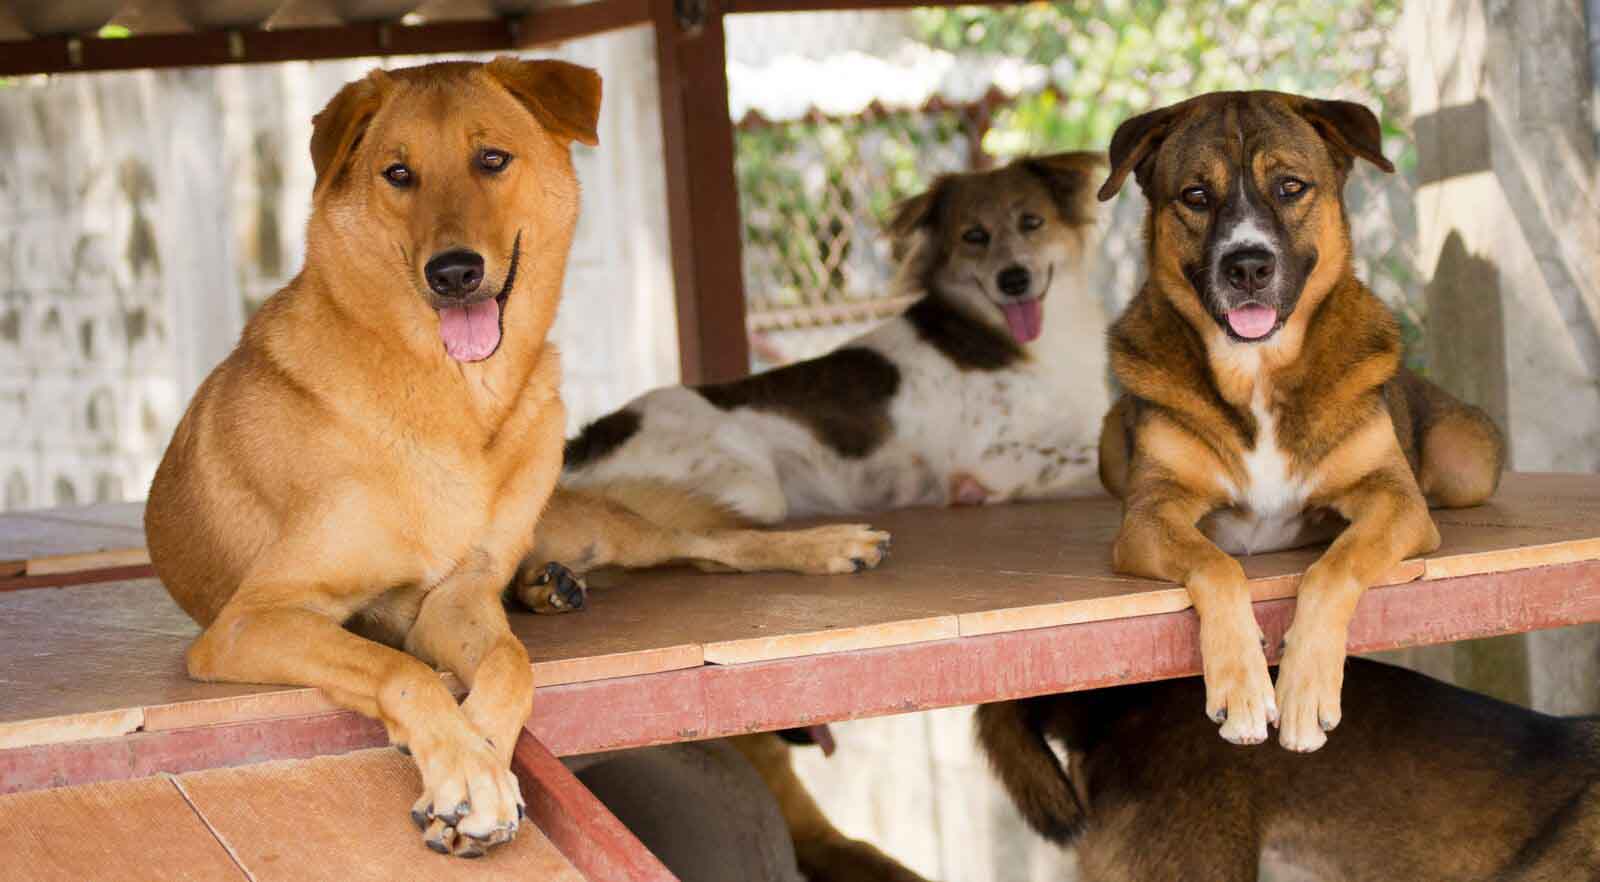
[
  {"x": 1252, "y": 322},
  {"x": 1026, "y": 319},
  {"x": 471, "y": 333}
]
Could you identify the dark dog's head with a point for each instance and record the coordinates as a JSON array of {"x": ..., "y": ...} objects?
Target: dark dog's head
[
  {"x": 450, "y": 182},
  {"x": 997, "y": 241},
  {"x": 1246, "y": 201}
]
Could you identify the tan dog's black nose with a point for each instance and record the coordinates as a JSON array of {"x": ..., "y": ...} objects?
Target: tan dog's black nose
[
  {"x": 454, "y": 273},
  {"x": 1249, "y": 270},
  {"x": 1013, "y": 281}
]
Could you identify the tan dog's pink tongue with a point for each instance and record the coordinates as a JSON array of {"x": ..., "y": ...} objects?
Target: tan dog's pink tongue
[
  {"x": 1251, "y": 322},
  {"x": 1026, "y": 319},
  {"x": 471, "y": 333}
]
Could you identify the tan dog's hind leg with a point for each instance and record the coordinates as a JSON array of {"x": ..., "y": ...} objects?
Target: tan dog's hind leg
[
  {"x": 1462, "y": 457},
  {"x": 586, "y": 531},
  {"x": 252, "y": 641},
  {"x": 822, "y": 851},
  {"x": 1160, "y": 540},
  {"x": 1389, "y": 522}
]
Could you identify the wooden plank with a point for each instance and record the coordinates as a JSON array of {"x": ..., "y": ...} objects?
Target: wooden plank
[
  {"x": 335, "y": 818},
  {"x": 702, "y": 194},
  {"x": 583, "y": 829},
  {"x": 844, "y": 639},
  {"x": 132, "y": 829},
  {"x": 540, "y": 28},
  {"x": 714, "y": 701}
]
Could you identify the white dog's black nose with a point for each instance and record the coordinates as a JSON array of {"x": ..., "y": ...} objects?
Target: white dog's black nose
[
  {"x": 454, "y": 273},
  {"x": 1013, "y": 281},
  {"x": 1249, "y": 270}
]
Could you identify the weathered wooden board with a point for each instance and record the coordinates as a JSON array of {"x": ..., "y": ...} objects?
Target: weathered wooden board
[
  {"x": 126, "y": 830},
  {"x": 344, "y": 817},
  {"x": 95, "y": 660}
]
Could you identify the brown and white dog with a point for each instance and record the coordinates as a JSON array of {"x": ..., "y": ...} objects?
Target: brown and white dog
[
  {"x": 1424, "y": 781},
  {"x": 970, "y": 396},
  {"x": 1264, "y": 405}
]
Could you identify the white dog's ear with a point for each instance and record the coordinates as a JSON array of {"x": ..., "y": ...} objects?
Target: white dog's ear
[
  {"x": 1070, "y": 177},
  {"x": 336, "y": 130},
  {"x": 919, "y": 211},
  {"x": 564, "y": 98}
]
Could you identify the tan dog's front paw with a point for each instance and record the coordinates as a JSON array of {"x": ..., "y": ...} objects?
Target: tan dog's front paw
[
  {"x": 1238, "y": 688},
  {"x": 470, "y": 799},
  {"x": 840, "y": 548},
  {"x": 1309, "y": 681},
  {"x": 551, "y": 589}
]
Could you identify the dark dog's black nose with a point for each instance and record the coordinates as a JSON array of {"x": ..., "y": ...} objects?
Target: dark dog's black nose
[
  {"x": 454, "y": 273},
  {"x": 1013, "y": 281},
  {"x": 1249, "y": 270}
]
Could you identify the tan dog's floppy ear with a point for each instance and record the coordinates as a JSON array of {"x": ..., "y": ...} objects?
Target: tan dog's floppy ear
[
  {"x": 337, "y": 129},
  {"x": 916, "y": 212},
  {"x": 1068, "y": 177},
  {"x": 1350, "y": 128},
  {"x": 1134, "y": 142},
  {"x": 564, "y": 98}
]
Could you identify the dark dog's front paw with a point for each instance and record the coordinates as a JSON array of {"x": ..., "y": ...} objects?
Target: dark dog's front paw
[{"x": 552, "y": 589}]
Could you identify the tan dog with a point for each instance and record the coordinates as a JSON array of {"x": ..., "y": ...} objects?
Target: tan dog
[
  {"x": 376, "y": 451},
  {"x": 1425, "y": 782},
  {"x": 1264, "y": 402}
]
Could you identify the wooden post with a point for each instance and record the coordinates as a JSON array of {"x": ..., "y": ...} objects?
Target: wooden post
[{"x": 702, "y": 194}]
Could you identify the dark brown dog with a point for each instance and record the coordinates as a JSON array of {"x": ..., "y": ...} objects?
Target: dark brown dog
[
  {"x": 1264, "y": 406},
  {"x": 1425, "y": 782}
]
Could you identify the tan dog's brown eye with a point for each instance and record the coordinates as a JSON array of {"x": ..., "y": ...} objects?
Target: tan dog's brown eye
[
  {"x": 1289, "y": 188},
  {"x": 1196, "y": 197},
  {"x": 1031, "y": 222},
  {"x": 493, "y": 160},
  {"x": 398, "y": 174},
  {"x": 975, "y": 236}
]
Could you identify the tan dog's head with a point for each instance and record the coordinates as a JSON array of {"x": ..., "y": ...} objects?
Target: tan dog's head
[
  {"x": 998, "y": 240},
  {"x": 1246, "y": 193},
  {"x": 445, "y": 190}
]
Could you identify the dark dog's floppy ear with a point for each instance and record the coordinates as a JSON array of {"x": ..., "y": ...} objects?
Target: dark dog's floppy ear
[
  {"x": 1135, "y": 143},
  {"x": 918, "y": 211},
  {"x": 1350, "y": 128},
  {"x": 1068, "y": 177},
  {"x": 337, "y": 129},
  {"x": 564, "y": 98}
]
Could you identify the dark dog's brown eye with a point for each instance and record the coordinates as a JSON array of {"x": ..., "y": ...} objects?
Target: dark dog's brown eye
[
  {"x": 398, "y": 174},
  {"x": 1289, "y": 188},
  {"x": 1031, "y": 222},
  {"x": 493, "y": 160},
  {"x": 975, "y": 236},
  {"x": 1196, "y": 197}
]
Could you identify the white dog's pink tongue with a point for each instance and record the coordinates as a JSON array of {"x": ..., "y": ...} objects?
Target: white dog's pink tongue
[
  {"x": 1252, "y": 322},
  {"x": 471, "y": 333},
  {"x": 1026, "y": 319}
]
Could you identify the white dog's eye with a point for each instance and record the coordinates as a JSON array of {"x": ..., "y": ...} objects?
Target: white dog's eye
[
  {"x": 975, "y": 236},
  {"x": 1031, "y": 222}
]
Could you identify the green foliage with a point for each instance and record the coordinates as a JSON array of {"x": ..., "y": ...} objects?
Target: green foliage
[{"x": 1111, "y": 59}]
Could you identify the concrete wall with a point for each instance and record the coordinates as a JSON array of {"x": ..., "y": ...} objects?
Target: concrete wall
[{"x": 144, "y": 215}]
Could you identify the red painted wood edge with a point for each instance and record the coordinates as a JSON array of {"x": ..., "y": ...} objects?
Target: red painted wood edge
[
  {"x": 712, "y": 701},
  {"x": 577, "y": 822},
  {"x": 83, "y": 577}
]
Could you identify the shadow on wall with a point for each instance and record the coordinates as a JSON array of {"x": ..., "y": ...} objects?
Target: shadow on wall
[{"x": 1466, "y": 334}]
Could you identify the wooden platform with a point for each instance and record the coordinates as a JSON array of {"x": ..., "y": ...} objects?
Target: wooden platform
[
  {"x": 974, "y": 605},
  {"x": 302, "y": 821}
]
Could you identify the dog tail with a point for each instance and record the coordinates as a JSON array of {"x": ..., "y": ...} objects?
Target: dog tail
[{"x": 1029, "y": 770}]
